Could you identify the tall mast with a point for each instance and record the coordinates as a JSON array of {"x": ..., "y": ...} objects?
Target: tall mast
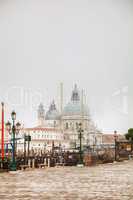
[
  {"x": 82, "y": 108},
  {"x": 61, "y": 102},
  {"x": 2, "y": 132},
  {"x": 61, "y": 97}
]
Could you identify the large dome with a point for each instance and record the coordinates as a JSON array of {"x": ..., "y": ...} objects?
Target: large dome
[
  {"x": 52, "y": 113},
  {"x": 74, "y": 107}
]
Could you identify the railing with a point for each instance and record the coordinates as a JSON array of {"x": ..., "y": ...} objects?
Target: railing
[{"x": 62, "y": 159}]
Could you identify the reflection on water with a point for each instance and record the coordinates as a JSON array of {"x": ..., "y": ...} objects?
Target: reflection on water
[{"x": 99, "y": 183}]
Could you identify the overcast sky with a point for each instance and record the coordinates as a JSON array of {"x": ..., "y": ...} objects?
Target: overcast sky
[{"x": 88, "y": 42}]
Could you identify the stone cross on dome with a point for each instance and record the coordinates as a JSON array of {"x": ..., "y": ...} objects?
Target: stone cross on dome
[{"x": 75, "y": 94}]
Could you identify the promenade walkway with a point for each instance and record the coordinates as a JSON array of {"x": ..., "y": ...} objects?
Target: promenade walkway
[{"x": 103, "y": 182}]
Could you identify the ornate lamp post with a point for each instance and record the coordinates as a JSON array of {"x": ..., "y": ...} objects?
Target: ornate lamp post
[
  {"x": 18, "y": 127},
  {"x": 115, "y": 139},
  {"x": 13, "y": 130},
  {"x": 80, "y": 130}
]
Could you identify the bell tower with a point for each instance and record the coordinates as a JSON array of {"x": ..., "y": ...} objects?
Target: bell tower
[
  {"x": 41, "y": 115},
  {"x": 75, "y": 94}
]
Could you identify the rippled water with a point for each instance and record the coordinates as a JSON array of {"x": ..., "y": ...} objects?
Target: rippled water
[{"x": 105, "y": 182}]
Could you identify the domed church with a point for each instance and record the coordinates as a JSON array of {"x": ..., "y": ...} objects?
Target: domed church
[
  {"x": 61, "y": 129},
  {"x": 75, "y": 112},
  {"x": 67, "y": 122}
]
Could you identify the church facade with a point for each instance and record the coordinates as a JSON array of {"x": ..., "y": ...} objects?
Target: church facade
[
  {"x": 61, "y": 128},
  {"x": 74, "y": 113}
]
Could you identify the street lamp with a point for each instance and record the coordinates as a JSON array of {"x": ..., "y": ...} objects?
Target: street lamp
[
  {"x": 13, "y": 115},
  {"x": 13, "y": 130},
  {"x": 18, "y": 128},
  {"x": 115, "y": 139},
  {"x": 80, "y": 130}
]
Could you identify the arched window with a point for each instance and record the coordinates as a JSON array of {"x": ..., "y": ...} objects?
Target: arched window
[
  {"x": 67, "y": 125},
  {"x": 54, "y": 123},
  {"x": 72, "y": 125}
]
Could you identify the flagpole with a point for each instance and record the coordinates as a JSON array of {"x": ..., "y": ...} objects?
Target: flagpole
[{"x": 2, "y": 133}]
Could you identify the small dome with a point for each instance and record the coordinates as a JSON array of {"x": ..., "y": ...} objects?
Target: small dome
[
  {"x": 52, "y": 113},
  {"x": 74, "y": 106},
  {"x": 41, "y": 111}
]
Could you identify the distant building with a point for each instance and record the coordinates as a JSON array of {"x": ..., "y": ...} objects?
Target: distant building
[
  {"x": 41, "y": 115},
  {"x": 42, "y": 138},
  {"x": 108, "y": 140},
  {"x": 62, "y": 128},
  {"x": 76, "y": 112}
]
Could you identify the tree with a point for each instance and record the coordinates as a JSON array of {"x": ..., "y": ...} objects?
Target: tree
[{"x": 129, "y": 135}]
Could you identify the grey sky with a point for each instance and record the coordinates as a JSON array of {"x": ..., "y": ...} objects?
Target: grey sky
[{"x": 86, "y": 42}]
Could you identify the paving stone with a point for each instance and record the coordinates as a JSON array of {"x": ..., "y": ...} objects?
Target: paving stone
[{"x": 103, "y": 182}]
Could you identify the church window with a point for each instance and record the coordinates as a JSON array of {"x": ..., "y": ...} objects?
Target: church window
[
  {"x": 67, "y": 125},
  {"x": 71, "y": 124},
  {"x": 54, "y": 123}
]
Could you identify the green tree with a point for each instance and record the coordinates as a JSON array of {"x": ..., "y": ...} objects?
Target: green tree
[{"x": 129, "y": 135}]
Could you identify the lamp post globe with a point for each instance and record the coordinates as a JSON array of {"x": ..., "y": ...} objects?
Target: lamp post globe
[
  {"x": 115, "y": 133},
  {"x": 13, "y": 115},
  {"x": 18, "y": 127}
]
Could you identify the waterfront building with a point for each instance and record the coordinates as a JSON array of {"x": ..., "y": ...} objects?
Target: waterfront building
[
  {"x": 42, "y": 138},
  {"x": 46, "y": 134},
  {"x": 61, "y": 128}
]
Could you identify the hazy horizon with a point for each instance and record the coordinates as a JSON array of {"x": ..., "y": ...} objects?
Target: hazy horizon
[{"x": 88, "y": 42}]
